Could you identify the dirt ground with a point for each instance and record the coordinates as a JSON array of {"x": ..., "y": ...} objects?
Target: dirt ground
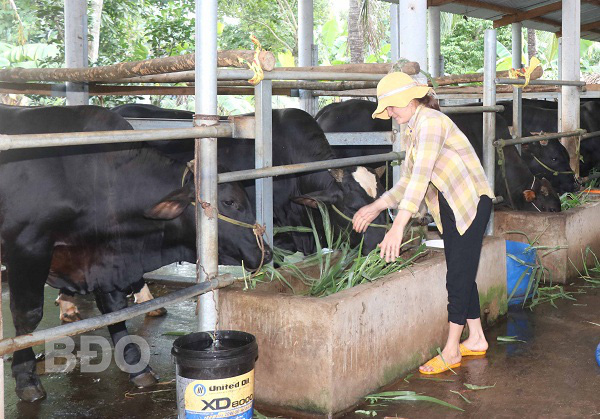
[{"x": 553, "y": 374}]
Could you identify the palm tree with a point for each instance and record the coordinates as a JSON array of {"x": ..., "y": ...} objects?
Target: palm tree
[{"x": 356, "y": 39}]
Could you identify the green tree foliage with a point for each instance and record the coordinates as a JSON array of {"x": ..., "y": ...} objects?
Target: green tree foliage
[
  {"x": 462, "y": 46},
  {"x": 273, "y": 22}
]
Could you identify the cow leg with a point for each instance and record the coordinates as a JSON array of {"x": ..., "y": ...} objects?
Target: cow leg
[
  {"x": 117, "y": 300},
  {"x": 26, "y": 279},
  {"x": 69, "y": 312},
  {"x": 141, "y": 294}
]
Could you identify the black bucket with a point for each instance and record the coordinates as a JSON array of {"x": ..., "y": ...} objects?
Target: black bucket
[{"x": 215, "y": 380}]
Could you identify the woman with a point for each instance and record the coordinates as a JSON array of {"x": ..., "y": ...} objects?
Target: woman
[{"x": 442, "y": 167}]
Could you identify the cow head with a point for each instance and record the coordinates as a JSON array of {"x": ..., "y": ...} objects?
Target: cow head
[
  {"x": 541, "y": 197},
  {"x": 353, "y": 188},
  {"x": 550, "y": 159},
  {"x": 236, "y": 243}
]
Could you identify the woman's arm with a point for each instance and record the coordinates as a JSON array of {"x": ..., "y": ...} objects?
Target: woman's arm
[{"x": 390, "y": 246}]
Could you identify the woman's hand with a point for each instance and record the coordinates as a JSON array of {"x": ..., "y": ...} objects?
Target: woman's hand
[
  {"x": 366, "y": 215},
  {"x": 390, "y": 246}
]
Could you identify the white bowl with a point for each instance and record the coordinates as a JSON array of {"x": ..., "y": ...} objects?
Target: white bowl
[{"x": 439, "y": 244}]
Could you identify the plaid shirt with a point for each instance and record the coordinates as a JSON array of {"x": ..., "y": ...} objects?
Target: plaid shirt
[{"x": 439, "y": 157}]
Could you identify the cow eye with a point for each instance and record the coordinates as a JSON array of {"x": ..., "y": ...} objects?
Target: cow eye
[
  {"x": 554, "y": 159},
  {"x": 228, "y": 203}
]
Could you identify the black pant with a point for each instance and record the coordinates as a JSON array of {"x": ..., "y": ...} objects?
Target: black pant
[{"x": 462, "y": 260}]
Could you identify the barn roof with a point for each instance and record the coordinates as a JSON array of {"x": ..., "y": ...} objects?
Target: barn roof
[{"x": 544, "y": 15}]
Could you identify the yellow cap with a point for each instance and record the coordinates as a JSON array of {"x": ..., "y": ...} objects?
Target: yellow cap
[{"x": 397, "y": 89}]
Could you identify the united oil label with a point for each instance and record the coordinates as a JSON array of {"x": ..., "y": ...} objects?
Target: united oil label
[{"x": 225, "y": 398}]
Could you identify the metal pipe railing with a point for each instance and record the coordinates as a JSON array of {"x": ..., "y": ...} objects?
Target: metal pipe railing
[
  {"x": 541, "y": 82},
  {"x": 590, "y": 135},
  {"x": 449, "y": 110},
  {"x": 536, "y": 138},
  {"x": 14, "y": 141},
  {"x": 25, "y": 341},
  {"x": 307, "y": 167}
]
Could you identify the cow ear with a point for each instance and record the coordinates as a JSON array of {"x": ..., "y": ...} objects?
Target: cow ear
[
  {"x": 338, "y": 174},
  {"x": 313, "y": 199},
  {"x": 545, "y": 187},
  {"x": 172, "y": 205},
  {"x": 529, "y": 195},
  {"x": 380, "y": 171}
]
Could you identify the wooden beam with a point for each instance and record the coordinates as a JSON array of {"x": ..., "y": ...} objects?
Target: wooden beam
[
  {"x": 504, "y": 10},
  {"x": 590, "y": 26},
  {"x": 528, "y": 15},
  {"x": 437, "y": 3}
]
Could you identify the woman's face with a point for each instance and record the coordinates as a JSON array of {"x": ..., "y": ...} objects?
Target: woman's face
[{"x": 402, "y": 115}]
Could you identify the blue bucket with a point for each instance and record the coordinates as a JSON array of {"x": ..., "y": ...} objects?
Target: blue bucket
[{"x": 515, "y": 269}]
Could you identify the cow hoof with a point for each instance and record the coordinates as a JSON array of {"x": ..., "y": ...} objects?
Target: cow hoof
[
  {"x": 32, "y": 391},
  {"x": 157, "y": 313},
  {"x": 145, "y": 379},
  {"x": 70, "y": 317}
]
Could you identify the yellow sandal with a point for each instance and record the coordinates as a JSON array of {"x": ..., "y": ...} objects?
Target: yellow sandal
[
  {"x": 464, "y": 351},
  {"x": 438, "y": 365}
]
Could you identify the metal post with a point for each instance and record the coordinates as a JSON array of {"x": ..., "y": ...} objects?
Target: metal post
[
  {"x": 571, "y": 21},
  {"x": 517, "y": 53},
  {"x": 1, "y": 337},
  {"x": 412, "y": 18},
  {"x": 206, "y": 159},
  {"x": 489, "y": 119},
  {"x": 560, "y": 77},
  {"x": 397, "y": 146},
  {"x": 434, "y": 41},
  {"x": 76, "y": 48},
  {"x": 305, "y": 55},
  {"x": 394, "y": 32},
  {"x": 263, "y": 151}
]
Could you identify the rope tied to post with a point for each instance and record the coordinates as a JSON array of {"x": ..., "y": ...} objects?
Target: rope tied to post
[
  {"x": 255, "y": 66},
  {"x": 258, "y": 229},
  {"x": 524, "y": 72}
]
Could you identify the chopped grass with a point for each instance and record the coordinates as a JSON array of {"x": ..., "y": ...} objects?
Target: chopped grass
[
  {"x": 476, "y": 387},
  {"x": 408, "y": 396},
  {"x": 461, "y": 395},
  {"x": 340, "y": 265},
  {"x": 570, "y": 200},
  {"x": 441, "y": 380},
  {"x": 509, "y": 339}
]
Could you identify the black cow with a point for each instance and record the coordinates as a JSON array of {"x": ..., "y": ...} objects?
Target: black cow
[
  {"x": 526, "y": 194},
  {"x": 297, "y": 138},
  {"x": 102, "y": 205}
]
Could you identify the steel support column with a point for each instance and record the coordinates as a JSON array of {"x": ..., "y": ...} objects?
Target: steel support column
[
  {"x": 206, "y": 159},
  {"x": 434, "y": 56},
  {"x": 263, "y": 156},
  {"x": 305, "y": 50},
  {"x": 394, "y": 32},
  {"x": 412, "y": 18},
  {"x": 571, "y": 21},
  {"x": 517, "y": 54},
  {"x": 76, "y": 48},
  {"x": 489, "y": 119}
]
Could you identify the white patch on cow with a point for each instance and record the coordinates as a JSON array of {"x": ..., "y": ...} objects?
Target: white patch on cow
[
  {"x": 367, "y": 180},
  {"x": 143, "y": 296}
]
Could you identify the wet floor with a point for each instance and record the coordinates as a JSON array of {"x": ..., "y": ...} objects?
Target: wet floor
[
  {"x": 553, "y": 374},
  {"x": 107, "y": 394}
]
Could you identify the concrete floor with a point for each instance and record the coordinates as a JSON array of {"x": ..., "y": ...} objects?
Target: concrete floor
[{"x": 554, "y": 374}]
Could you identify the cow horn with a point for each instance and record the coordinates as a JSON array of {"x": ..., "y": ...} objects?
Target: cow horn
[
  {"x": 380, "y": 171},
  {"x": 338, "y": 174}
]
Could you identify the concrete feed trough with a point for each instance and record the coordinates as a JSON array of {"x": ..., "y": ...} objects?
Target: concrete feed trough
[
  {"x": 323, "y": 355},
  {"x": 576, "y": 228}
]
